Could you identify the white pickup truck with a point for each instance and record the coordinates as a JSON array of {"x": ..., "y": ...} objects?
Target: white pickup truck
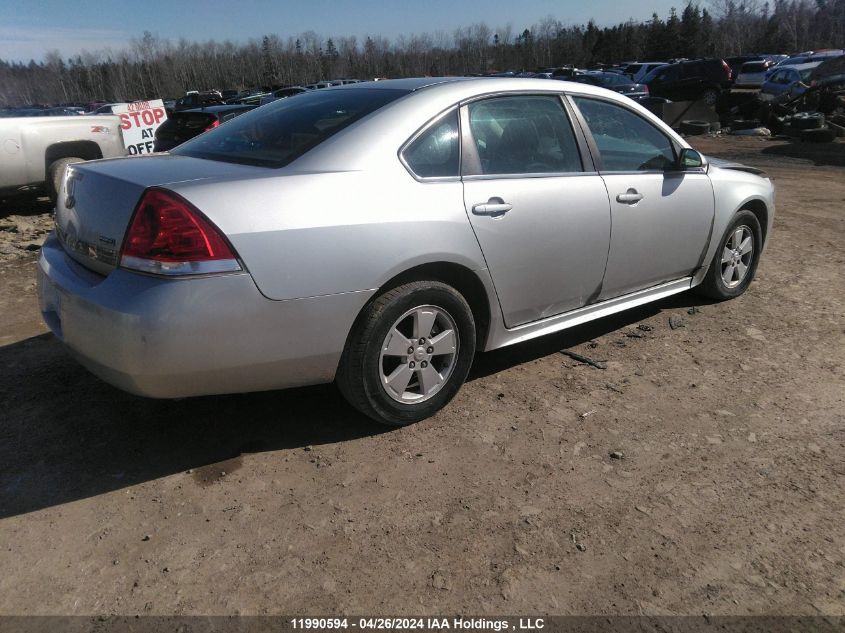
[{"x": 35, "y": 151}]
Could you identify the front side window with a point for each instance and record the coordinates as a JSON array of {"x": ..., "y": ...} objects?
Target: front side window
[
  {"x": 282, "y": 131},
  {"x": 434, "y": 153},
  {"x": 523, "y": 135},
  {"x": 626, "y": 141}
]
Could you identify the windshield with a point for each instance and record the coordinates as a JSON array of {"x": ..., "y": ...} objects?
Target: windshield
[{"x": 282, "y": 131}]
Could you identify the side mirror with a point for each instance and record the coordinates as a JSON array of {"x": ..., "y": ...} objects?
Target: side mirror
[{"x": 691, "y": 159}]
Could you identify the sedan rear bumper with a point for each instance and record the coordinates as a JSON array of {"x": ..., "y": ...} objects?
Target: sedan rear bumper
[{"x": 169, "y": 338}]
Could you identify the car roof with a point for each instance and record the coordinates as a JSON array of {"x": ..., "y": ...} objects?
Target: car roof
[
  {"x": 410, "y": 84},
  {"x": 471, "y": 85},
  {"x": 804, "y": 66}
]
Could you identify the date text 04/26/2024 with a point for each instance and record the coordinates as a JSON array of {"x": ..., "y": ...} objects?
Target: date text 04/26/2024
[{"x": 418, "y": 624}]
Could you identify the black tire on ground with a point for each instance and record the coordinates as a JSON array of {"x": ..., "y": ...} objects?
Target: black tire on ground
[
  {"x": 745, "y": 124},
  {"x": 56, "y": 174},
  {"x": 694, "y": 128},
  {"x": 808, "y": 122},
  {"x": 359, "y": 375},
  {"x": 819, "y": 135},
  {"x": 714, "y": 285}
]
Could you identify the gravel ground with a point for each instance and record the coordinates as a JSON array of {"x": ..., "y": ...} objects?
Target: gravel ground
[{"x": 701, "y": 472}]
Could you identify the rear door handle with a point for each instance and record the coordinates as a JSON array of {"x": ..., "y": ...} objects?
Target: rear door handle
[
  {"x": 494, "y": 206},
  {"x": 632, "y": 196}
]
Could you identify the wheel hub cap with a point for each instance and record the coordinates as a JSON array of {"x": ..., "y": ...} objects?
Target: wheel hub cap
[
  {"x": 737, "y": 255},
  {"x": 418, "y": 354}
]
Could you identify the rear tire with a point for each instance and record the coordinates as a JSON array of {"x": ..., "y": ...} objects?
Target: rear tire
[
  {"x": 56, "y": 174},
  {"x": 710, "y": 96},
  {"x": 732, "y": 268},
  {"x": 405, "y": 333}
]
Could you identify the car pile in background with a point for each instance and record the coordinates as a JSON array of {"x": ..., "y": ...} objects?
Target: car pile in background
[{"x": 747, "y": 94}]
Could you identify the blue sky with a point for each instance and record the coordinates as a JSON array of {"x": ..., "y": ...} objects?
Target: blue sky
[{"x": 29, "y": 28}]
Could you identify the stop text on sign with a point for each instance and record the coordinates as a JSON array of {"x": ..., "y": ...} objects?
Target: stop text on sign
[{"x": 139, "y": 121}]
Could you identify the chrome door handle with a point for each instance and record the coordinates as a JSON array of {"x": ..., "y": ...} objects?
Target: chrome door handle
[
  {"x": 632, "y": 196},
  {"x": 494, "y": 206}
]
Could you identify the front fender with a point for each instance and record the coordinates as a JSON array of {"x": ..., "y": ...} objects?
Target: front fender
[{"x": 734, "y": 190}]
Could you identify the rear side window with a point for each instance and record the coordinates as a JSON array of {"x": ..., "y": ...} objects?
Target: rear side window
[
  {"x": 626, "y": 141},
  {"x": 282, "y": 131},
  {"x": 434, "y": 153},
  {"x": 523, "y": 135},
  {"x": 694, "y": 69}
]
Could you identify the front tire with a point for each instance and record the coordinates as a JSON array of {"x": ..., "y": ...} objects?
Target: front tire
[
  {"x": 408, "y": 353},
  {"x": 735, "y": 261}
]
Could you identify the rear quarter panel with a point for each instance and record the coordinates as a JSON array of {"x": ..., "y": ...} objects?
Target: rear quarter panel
[{"x": 314, "y": 234}]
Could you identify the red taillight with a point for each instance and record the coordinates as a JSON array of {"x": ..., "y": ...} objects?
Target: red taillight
[
  {"x": 728, "y": 70},
  {"x": 213, "y": 125},
  {"x": 168, "y": 236}
]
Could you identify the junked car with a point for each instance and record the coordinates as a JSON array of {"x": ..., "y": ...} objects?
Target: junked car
[
  {"x": 789, "y": 81},
  {"x": 379, "y": 234},
  {"x": 752, "y": 74},
  {"x": 613, "y": 81}
]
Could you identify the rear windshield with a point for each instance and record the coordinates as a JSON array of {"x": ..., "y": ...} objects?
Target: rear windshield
[
  {"x": 754, "y": 67},
  {"x": 192, "y": 120},
  {"x": 282, "y": 131}
]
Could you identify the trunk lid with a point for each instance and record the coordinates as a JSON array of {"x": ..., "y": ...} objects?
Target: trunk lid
[{"x": 98, "y": 198}]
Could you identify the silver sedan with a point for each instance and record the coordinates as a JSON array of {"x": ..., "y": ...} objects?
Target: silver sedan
[{"x": 380, "y": 234}]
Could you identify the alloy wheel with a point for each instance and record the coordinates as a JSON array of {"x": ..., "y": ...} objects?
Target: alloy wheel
[
  {"x": 418, "y": 355},
  {"x": 737, "y": 254}
]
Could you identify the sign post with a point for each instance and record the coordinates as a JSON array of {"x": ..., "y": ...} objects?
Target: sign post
[{"x": 139, "y": 122}]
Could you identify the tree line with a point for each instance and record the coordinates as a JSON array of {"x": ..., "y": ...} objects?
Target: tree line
[{"x": 152, "y": 67}]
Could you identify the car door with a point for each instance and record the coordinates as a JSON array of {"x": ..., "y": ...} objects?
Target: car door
[
  {"x": 692, "y": 81},
  {"x": 772, "y": 84},
  {"x": 541, "y": 216},
  {"x": 793, "y": 86},
  {"x": 661, "y": 216}
]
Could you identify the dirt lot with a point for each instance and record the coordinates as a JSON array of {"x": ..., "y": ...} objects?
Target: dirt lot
[{"x": 729, "y": 497}]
